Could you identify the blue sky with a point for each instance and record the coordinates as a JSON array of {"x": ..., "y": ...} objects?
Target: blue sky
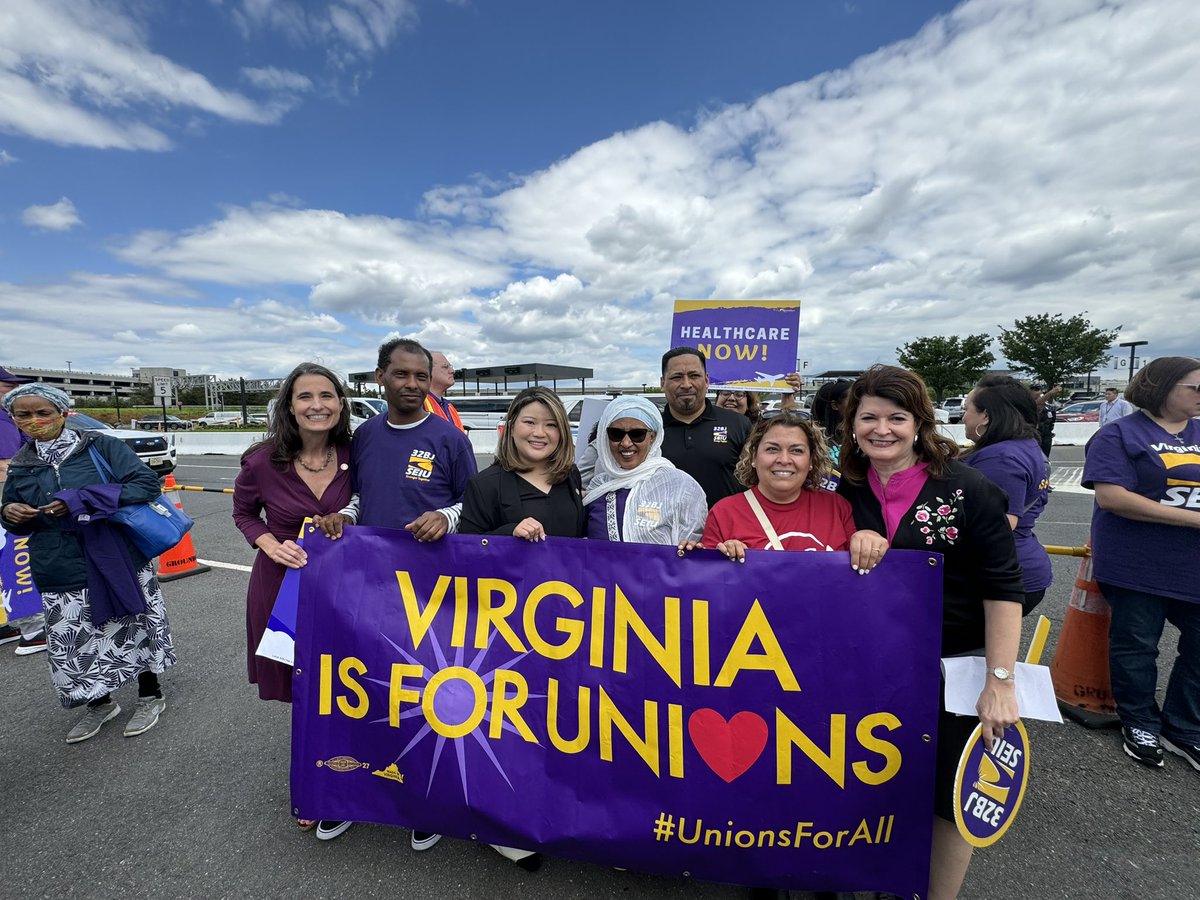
[{"x": 233, "y": 186}]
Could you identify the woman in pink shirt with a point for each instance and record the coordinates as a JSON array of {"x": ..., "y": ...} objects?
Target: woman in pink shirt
[{"x": 902, "y": 478}]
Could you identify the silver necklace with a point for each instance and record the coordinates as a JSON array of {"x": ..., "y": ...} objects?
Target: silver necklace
[{"x": 324, "y": 465}]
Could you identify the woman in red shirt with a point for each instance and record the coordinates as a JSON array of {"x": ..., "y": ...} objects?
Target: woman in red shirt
[{"x": 785, "y": 508}]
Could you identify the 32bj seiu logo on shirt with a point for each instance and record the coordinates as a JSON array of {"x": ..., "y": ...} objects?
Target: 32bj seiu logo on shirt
[{"x": 420, "y": 465}]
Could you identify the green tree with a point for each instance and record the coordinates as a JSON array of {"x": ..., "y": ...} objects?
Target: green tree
[
  {"x": 1052, "y": 348},
  {"x": 947, "y": 363}
]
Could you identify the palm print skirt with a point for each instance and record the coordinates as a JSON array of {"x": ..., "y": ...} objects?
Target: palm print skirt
[{"x": 87, "y": 662}]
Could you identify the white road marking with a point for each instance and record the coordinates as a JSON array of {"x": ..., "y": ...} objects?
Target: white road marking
[
  {"x": 1067, "y": 480},
  {"x": 224, "y": 565}
]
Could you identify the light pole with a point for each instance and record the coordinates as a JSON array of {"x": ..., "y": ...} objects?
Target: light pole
[
  {"x": 68, "y": 367},
  {"x": 1132, "y": 345}
]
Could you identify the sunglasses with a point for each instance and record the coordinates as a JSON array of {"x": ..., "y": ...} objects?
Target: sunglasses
[
  {"x": 637, "y": 435},
  {"x": 1194, "y": 387}
]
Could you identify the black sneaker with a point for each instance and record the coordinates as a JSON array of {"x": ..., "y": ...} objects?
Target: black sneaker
[
  {"x": 35, "y": 643},
  {"x": 1142, "y": 746},
  {"x": 1189, "y": 752},
  {"x": 8, "y": 634}
]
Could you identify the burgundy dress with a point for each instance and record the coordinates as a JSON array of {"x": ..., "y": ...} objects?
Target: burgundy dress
[{"x": 287, "y": 501}]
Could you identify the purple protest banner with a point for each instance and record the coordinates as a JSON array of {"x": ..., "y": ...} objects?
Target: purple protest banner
[
  {"x": 20, "y": 597},
  {"x": 771, "y": 723},
  {"x": 747, "y": 343}
]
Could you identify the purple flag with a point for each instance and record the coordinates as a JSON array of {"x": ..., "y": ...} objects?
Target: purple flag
[
  {"x": 20, "y": 594},
  {"x": 771, "y": 723},
  {"x": 747, "y": 343}
]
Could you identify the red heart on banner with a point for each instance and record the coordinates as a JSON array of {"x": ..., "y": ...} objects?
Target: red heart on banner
[{"x": 729, "y": 748}]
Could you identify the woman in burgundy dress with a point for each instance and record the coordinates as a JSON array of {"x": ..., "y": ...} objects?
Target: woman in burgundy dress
[{"x": 302, "y": 469}]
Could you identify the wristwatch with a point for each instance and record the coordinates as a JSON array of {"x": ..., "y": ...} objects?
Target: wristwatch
[{"x": 1001, "y": 674}]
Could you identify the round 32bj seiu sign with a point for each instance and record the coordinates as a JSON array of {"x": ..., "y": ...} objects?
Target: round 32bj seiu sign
[{"x": 989, "y": 787}]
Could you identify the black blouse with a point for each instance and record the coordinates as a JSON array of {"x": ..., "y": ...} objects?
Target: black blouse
[
  {"x": 497, "y": 501},
  {"x": 963, "y": 517}
]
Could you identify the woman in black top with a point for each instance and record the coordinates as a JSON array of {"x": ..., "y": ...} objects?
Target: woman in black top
[
  {"x": 533, "y": 488},
  {"x": 902, "y": 480}
]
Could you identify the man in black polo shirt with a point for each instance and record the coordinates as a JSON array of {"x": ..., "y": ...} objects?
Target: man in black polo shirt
[{"x": 698, "y": 437}]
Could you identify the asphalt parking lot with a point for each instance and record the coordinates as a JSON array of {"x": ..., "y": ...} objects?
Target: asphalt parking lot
[{"x": 199, "y": 805}]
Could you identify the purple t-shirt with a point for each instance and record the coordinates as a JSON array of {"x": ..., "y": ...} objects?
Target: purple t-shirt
[
  {"x": 400, "y": 473},
  {"x": 1020, "y": 470},
  {"x": 1136, "y": 453},
  {"x": 11, "y": 438}
]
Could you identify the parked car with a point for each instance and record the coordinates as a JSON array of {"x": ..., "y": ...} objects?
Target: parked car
[
  {"x": 261, "y": 419},
  {"x": 1088, "y": 411},
  {"x": 1083, "y": 395},
  {"x": 367, "y": 407},
  {"x": 364, "y": 408},
  {"x": 155, "y": 423},
  {"x": 226, "y": 419},
  {"x": 954, "y": 408},
  {"x": 155, "y": 450},
  {"x": 774, "y": 411}
]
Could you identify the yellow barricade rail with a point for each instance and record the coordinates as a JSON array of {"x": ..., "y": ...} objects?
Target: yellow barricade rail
[
  {"x": 1069, "y": 551},
  {"x": 184, "y": 487}
]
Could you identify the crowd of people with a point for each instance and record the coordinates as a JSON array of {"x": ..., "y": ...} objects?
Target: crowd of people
[{"x": 868, "y": 472}]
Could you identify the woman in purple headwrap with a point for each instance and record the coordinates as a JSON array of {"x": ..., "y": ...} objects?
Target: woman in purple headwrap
[{"x": 105, "y": 618}]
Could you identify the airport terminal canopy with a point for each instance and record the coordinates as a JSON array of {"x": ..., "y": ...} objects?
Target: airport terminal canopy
[
  {"x": 524, "y": 374},
  {"x": 834, "y": 375}
]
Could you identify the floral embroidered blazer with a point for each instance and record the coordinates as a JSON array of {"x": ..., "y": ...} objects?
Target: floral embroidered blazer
[{"x": 962, "y": 517}]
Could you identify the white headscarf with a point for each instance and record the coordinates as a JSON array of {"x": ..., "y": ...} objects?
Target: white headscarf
[
  {"x": 609, "y": 476},
  {"x": 674, "y": 496}
]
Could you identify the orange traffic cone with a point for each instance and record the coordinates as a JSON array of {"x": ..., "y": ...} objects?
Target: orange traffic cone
[
  {"x": 180, "y": 560},
  {"x": 1080, "y": 667}
]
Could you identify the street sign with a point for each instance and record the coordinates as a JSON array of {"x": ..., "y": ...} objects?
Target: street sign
[{"x": 162, "y": 388}]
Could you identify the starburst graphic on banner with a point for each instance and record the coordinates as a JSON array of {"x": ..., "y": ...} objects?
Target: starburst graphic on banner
[{"x": 453, "y": 704}]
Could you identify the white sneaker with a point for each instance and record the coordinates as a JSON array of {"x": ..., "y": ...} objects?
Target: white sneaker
[
  {"x": 423, "y": 840},
  {"x": 328, "y": 829}
]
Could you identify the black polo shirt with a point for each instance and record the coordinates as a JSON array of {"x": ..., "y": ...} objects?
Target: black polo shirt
[{"x": 707, "y": 448}]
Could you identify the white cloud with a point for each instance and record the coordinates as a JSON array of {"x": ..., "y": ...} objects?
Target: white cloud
[
  {"x": 7, "y": 158},
  {"x": 352, "y": 29},
  {"x": 386, "y": 269},
  {"x": 80, "y": 72},
  {"x": 60, "y": 216},
  {"x": 273, "y": 79},
  {"x": 158, "y": 322},
  {"x": 182, "y": 331},
  {"x": 1014, "y": 157}
]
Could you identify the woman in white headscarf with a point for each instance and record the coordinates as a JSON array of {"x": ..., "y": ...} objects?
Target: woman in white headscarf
[
  {"x": 635, "y": 494},
  {"x": 106, "y": 622}
]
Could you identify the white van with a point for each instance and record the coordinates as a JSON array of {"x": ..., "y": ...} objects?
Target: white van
[{"x": 225, "y": 419}]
